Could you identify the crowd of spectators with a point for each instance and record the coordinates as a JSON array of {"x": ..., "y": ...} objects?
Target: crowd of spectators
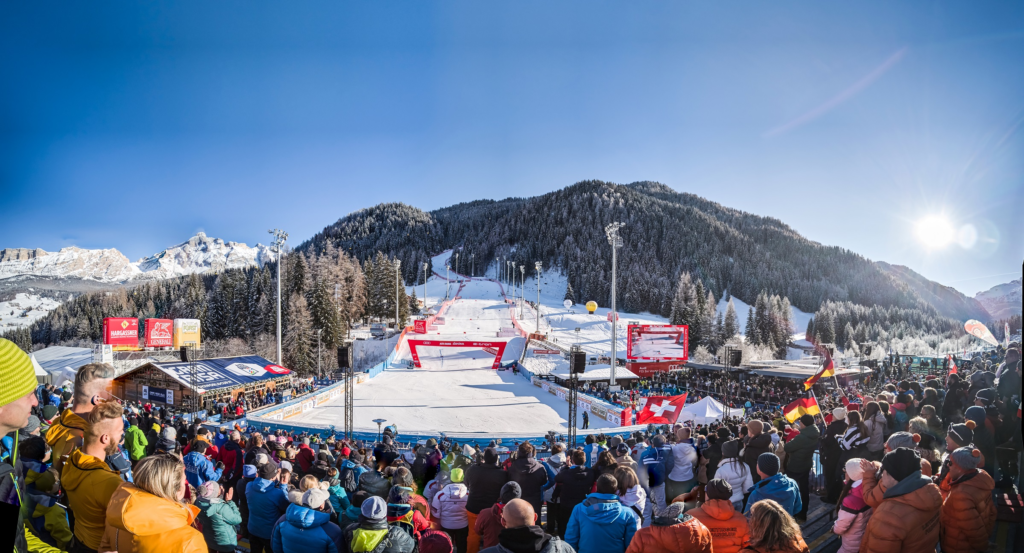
[{"x": 908, "y": 465}]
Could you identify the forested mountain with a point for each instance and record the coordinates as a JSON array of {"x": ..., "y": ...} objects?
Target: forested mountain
[{"x": 665, "y": 234}]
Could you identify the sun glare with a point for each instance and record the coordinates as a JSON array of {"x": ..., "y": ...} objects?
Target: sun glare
[{"x": 935, "y": 231}]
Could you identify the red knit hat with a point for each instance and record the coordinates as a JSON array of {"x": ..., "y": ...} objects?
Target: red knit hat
[{"x": 434, "y": 541}]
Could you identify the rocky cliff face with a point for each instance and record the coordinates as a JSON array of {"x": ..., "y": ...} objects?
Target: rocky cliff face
[{"x": 199, "y": 254}]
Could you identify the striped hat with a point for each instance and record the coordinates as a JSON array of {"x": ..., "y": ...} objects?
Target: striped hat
[{"x": 16, "y": 373}]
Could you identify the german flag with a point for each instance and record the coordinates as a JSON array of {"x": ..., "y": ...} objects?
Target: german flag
[
  {"x": 827, "y": 370},
  {"x": 799, "y": 408}
]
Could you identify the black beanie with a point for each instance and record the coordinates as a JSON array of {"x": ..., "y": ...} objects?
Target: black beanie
[
  {"x": 490, "y": 456},
  {"x": 718, "y": 489},
  {"x": 510, "y": 491},
  {"x": 901, "y": 463}
]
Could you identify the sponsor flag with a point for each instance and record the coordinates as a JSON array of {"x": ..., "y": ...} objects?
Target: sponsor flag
[
  {"x": 661, "y": 410},
  {"x": 980, "y": 331},
  {"x": 799, "y": 408},
  {"x": 827, "y": 370},
  {"x": 952, "y": 365}
]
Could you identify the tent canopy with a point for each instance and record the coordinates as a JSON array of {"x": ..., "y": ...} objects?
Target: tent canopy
[{"x": 707, "y": 411}]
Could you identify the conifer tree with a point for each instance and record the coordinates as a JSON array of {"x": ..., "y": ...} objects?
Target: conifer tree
[
  {"x": 731, "y": 325},
  {"x": 569, "y": 293},
  {"x": 298, "y": 340},
  {"x": 324, "y": 315},
  {"x": 414, "y": 303},
  {"x": 751, "y": 329}
]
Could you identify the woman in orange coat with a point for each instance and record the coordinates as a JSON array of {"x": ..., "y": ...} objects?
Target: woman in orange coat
[
  {"x": 729, "y": 529},
  {"x": 905, "y": 503},
  {"x": 968, "y": 514},
  {"x": 772, "y": 530},
  {"x": 150, "y": 516},
  {"x": 672, "y": 531}
]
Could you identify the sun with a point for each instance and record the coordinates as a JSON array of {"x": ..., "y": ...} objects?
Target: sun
[{"x": 935, "y": 231}]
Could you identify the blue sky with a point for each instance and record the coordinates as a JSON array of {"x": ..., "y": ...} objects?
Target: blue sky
[{"x": 134, "y": 125}]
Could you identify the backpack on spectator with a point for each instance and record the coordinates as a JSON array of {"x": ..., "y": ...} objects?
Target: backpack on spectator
[{"x": 347, "y": 479}]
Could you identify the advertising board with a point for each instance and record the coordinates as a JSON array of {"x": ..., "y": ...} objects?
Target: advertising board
[
  {"x": 162, "y": 395},
  {"x": 419, "y": 326},
  {"x": 121, "y": 332},
  {"x": 159, "y": 333},
  {"x": 657, "y": 342},
  {"x": 545, "y": 352},
  {"x": 645, "y": 369},
  {"x": 187, "y": 333}
]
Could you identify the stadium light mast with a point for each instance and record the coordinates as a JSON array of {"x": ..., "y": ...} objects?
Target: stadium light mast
[
  {"x": 472, "y": 264},
  {"x": 612, "y": 230},
  {"x": 538, "y": 266},
  {"x": 456, "y": 262},
  {"x": 425, "y": 305},
  {"x": 447, "y": 282},
  {"x": 280, "y": 237},
  {"x": 522, "y": 289},
  {"x": 398, "y": 291}
]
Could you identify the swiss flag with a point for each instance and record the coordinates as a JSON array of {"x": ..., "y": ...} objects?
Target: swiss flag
[{"x": 661, "y": 410}]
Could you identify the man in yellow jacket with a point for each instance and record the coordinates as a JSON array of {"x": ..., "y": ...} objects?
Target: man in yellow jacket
[
  {"x": 87, "y": 479},
  {"x": 92, "y": 383}
]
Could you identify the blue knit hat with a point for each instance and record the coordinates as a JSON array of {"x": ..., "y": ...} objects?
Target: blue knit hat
[{"x": 374, "y": 509}]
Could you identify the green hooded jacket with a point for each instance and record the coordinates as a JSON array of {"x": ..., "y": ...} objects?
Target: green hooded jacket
[
  {"x": 135, "y": 442},
  {"x": 219, "y": 519}
]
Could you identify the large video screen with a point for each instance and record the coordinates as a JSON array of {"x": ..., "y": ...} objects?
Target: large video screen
[{"x": 658, "y": 342}]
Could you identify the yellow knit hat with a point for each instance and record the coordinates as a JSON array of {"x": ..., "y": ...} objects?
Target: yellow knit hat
[{"x": 17, "y": 377}]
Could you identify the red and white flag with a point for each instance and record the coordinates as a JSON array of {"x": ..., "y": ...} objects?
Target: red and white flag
[
  {"x": 661, "y": 410},
  {"x": 952, "y": 365}
]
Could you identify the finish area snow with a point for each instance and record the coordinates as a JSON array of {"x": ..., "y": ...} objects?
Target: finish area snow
[{"x": 456, "y": 391}]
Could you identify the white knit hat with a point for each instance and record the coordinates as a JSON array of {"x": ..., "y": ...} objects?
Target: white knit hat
[
  {"x": 839, "y": 413},
  {"x": 853, "y": 470},
  {"x": 314, "y": 498}
]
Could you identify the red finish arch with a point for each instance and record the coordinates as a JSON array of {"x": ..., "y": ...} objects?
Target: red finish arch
[{"x": 499, "y": 346}]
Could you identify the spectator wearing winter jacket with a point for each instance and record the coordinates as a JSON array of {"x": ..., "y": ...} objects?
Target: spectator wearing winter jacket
[
  {"x": 592, "y": 449},
  {"x": 248, "y": 475},
  {"x": 306, "y": 527},
  {"x": 373, "y": 534},
  {"x": 520, "y": 532},
  {"x": 671, "y": 531},
  {"x": 968, "y": 513},
  {"x": 401, "y": 513},
  {"x": 305, "y": 457},
  {"x": 268, "y": 500},
  {"x": 906, "y": 505},
  {"x": 734, "y": 471},
  {"x": 488, "y": 523},
  {"x": 772, "y": 530},
  {"x": 754, "y": 444},
  {"x": 774, "y": 485},
  {"x": 199, "y": 469},
  {"x": 135, "y": 440},
  {"x": 553, "y": 465},
  {"x": 800, "y": 453},
  {"x": 232, "y": 455},
  {"x": 531, "y": 476},
  {"x": 852, "y": 513},
  {"x": 601, "y": 524},
  {"x": 448, "y": 508},
  {"x": 572, "y": 484},
  {"x": 485, "y": 482},
  {"x": 658, "y": 462},
  {"x": 219, "y": 517},
  {"x": 729, "y": 529},
  {"x": 682, "y": 478}
]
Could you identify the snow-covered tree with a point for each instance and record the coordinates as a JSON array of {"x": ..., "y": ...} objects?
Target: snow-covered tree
[{"x": 731, "y": 324}]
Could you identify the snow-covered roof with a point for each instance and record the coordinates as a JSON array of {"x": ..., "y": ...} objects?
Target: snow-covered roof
[
  {"x": 56, "y": 358},
  {"x": 597, "y": 372}
]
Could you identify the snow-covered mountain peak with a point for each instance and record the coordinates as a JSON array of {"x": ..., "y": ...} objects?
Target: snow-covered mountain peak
[
  {"x": 1002, "y": 301},
  {"x": 198, "y": 254}
]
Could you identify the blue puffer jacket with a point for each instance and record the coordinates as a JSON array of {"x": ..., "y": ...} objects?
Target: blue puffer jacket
[
  {"x": 659, "y": 462},
  {"x": 780, "y": 488},
  {"x": 267, "y": 501},
  {"x": 601, "y": 524},
  {"x": 303, "y": 530},
  {"x": 593, "y": 451},
  {"x": 199, "y": 469},
  {"x": 339, "y": 498}
]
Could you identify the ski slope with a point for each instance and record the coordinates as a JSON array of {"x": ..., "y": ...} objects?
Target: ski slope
[{"x": 456, "y": 391}]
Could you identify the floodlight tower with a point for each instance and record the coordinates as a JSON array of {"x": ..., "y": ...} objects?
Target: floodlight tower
[
  {"x": 612, "y": 230},
  {"x": 425, "y": 286},
  {"x": 538, "y": 265},
  {"x": 398, "y": 290},
  {"x": 280, "y": 237},
  {"x": 522, "y": 289}
]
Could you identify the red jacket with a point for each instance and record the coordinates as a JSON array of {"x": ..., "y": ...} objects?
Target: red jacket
[
  {"x": 305, "y": 458},
  {"x": 488, "y": 525}
]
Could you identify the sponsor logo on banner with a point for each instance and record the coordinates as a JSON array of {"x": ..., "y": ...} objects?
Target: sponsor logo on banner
[
  {"x": 246, "y": 369},
  {"x": 158, "y": 333},
  {"x": 276, "y": 369},
  {"x": 158, "y": 394},
  {"x": 119, "y": 331},
  {"x": 546, "y": 352},
  {"x": 420, "y": 326}
]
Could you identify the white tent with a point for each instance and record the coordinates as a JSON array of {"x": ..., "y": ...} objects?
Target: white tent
[{"x": 707, "y": 411}]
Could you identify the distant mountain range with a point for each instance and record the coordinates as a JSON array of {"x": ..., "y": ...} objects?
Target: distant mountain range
[
  {"x": 1002, "y": 301},
  {"x": 199, "y": 254},
  {"x": 666, "y": 232}
]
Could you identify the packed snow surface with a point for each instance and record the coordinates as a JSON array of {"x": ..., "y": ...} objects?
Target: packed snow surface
[
  {"x": 456, "y": 391},
  {"x": 24, "y": 310}
]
